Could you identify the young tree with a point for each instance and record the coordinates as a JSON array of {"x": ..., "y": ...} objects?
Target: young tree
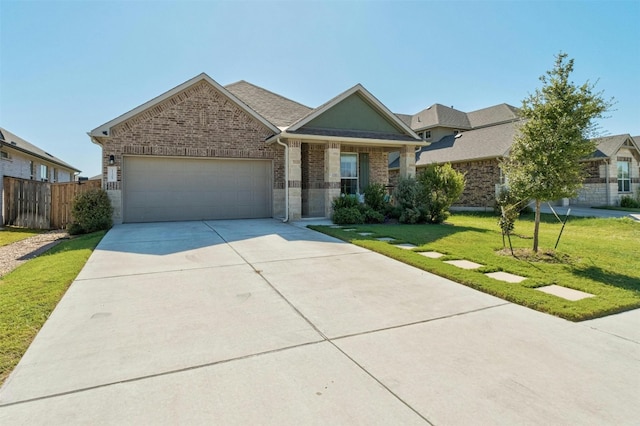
[{"x": 543, "y": 164}]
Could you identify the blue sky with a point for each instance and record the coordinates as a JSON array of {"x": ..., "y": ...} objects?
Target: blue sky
[{"x": 67, "y": 67}]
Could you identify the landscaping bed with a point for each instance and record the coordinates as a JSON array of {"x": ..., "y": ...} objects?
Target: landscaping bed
[{"x": 595, "y": 256}]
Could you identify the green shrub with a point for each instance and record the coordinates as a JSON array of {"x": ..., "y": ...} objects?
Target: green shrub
[
  {"x": 375, "y": 196},
  {"x": 92, "y": 211},
  {"x": 347, "y": 216},
  {"x": 629, "y": 202},
  {"x": 442, "y": 185},
  {"x": 345, "y": 201},
  {"x": 410, "y": 200},
  {"x": 370, "y": 215},
  {"x": 74, "y": 229}
]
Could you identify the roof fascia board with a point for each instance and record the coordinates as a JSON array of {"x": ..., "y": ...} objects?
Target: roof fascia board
[
  {"x": 346, "y": 140},
  {"x": 98, "y": 131},
  {"x": 369, "y": 97},
  {"x": 32, "y": 154}
]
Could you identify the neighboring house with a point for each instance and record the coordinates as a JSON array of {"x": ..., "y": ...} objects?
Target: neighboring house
[
  {"x": 21, "y": 159},
  {"x": 475, "y": 143},
  {"x": 204, "y": 151},
  {"x": 472, "y": 142},
  {"x": 613, "y": 171}
]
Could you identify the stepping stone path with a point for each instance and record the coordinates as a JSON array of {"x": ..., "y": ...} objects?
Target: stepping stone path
[
  {"x": 385, "y": 239},
  {"x": 406, "y": 246},
  {"x": 365, "y": 234},
  {"x": 335, "y": 226},
  {"x": 349, "y": 230},
  {"x": 564, "y": 292},
  {"x": 431, "y": 254},
  {"x": 505, "y": 276},
  {"x": 464, "y": 264}
]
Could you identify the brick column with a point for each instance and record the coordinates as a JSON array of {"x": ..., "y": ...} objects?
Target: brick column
[
  {"x": 295, "y": 180},
  {"x": 407, "y": 161},
  {"x": 331, "y": 175}
]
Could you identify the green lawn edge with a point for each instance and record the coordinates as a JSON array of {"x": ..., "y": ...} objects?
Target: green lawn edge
[
  {"x": 609, "y": 299},
  {"x": 31, "y": 292},
  {"x": 12, "y": 234}
]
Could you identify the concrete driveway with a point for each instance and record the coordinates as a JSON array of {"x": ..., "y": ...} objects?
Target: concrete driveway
[{"x": 259, "y": 322}]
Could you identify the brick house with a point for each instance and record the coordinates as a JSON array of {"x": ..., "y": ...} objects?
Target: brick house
[
  {"x": 475, "y": 142},
  {"x": 22, "y": 159},
  {"x": 204, "y": 151}
]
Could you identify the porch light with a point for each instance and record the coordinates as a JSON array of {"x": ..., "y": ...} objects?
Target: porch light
[{"x": 112, "y": 160}]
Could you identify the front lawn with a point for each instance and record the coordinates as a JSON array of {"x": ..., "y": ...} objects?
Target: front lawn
[
  {"x": 596, "y": 256},
  {"x": 29, "y": 294},
  {"x": 11, "y": 234}
]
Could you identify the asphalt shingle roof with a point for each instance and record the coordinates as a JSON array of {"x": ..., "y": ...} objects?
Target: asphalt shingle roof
[
  {"x": 279, "y": 110},
  {"x": 492, "y": 115},
  {"x": 17, "y": 142},
  {"x": 441, "y": 116},
  {"x": 488, "y": 142}
]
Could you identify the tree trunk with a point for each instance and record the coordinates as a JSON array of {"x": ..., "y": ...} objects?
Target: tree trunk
[{"x": 536, "y": 227}]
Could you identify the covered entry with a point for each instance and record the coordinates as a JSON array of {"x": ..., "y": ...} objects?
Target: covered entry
[{"x": 172, "y": 189}]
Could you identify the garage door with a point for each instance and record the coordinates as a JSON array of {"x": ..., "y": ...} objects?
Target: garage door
[{"x": 168, "y": 189}]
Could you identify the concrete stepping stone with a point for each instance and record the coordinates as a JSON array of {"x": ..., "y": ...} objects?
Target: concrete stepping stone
[
  {"x": 349, "y": 230},
  {"x": 365, "y": 234},
  {"x": 335, "y": 226},
  {"x": 406, "y": 246},
  {"x": 464, "y": 264},
  {"x": 505, "y": 276},
  {"x": 387, "y": 239},
  {"x": 431, "y": 254},
  {"x": 564, "y": 292}
]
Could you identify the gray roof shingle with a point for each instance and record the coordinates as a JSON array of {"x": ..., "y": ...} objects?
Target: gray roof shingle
[
  {"x": 279, "y": 110},
  {"x": 608, "y": 146},
  {"x": 493, "y": 115},
  {"x": 441, "y": 116},
  {"x": 488, "y": 142},
  {"x": 17, "y": 142}
]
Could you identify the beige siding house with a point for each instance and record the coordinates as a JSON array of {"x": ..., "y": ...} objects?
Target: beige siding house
[
  {"x": 206, "y": 151},
  {"x": 22, "y": 159}
]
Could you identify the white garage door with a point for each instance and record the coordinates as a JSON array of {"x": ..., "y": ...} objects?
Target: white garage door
[{"x": 169, "y": 189}]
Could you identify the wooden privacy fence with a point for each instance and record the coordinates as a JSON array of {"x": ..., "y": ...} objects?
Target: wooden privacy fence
[{"x": 41, "y": 205}]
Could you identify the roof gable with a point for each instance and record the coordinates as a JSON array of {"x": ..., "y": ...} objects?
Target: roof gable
[
  {"x": 608, "y": 146},
  {"x": 105, "y": 129},
  {"x": 354, "y": 111},
  {"x": 275, "y": 108},
  {"x": 15, "y": 142}
]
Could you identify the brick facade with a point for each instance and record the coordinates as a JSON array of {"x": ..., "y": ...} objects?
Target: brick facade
[
  {"x": 481, "y": 178},
  {"x": 197, "y": 122}
]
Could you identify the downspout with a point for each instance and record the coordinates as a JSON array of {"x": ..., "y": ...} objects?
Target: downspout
[
  {"x": 606, "y": 174},
  {"x": 286, "y": 180}
]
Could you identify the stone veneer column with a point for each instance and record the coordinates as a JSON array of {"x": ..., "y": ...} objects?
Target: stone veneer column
[
  {"x": 295, "y": 179},
  {"x": 407, "y": 161},
  {"x": 331, "y": 175}
]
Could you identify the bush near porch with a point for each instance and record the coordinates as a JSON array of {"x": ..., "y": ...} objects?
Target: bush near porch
[{"x": 596, "y": 256}]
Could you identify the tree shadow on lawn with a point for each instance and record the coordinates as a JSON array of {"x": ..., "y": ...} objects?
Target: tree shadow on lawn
[
  {"x": 609, "y": 278},
  {"x": 420, "y": 234}
]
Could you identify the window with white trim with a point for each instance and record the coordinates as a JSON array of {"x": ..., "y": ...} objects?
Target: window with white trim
[
  {"x": 44, "y": 172},
  {"x": 349, "y": 173},
  {"x": 624, "y": 179},
  {"x": 4, "y": 155}
]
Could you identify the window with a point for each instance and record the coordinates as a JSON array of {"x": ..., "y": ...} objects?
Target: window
[
  {"x": 624, "y": 181},
  {"x": 55, "y": 175},
  {"x": 349, "y": 173},
  {"x": 32, "y": 169},
  {"x": 4, "y": 155},
  {"x": 427, "y": 134},
  {"x": 44, "y": 172}
]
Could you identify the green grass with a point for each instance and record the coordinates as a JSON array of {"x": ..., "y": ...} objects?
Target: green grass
[
  {"x": 11, "y": 234},
  {"x": 597, "y": 256},
  {"x": 29, "y": 294}
]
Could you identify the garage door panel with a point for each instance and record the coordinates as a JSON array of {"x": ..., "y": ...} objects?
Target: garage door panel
[{"x": 165, "y": 189}]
